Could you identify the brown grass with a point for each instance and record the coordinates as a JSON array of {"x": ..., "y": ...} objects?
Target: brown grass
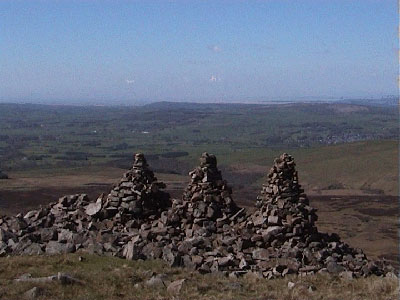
[{"x": 113, "y": 278}]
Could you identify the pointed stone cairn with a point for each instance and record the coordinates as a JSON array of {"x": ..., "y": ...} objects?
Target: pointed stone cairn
[
  {"x": 284, "y": 238},
  {"x": 138, "y": 194},
  {"x": 283, "y": 208},
  {"x": 204, "y": 216},
  {"x": 208, "y": 195},
  {"x": 207, "y": 200}
]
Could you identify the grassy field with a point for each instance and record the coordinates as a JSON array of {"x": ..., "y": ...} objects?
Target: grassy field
[
  {"x": 364, "y": 166},
  {"x": 113, "y": 278},
  {"x": 33, "y": 136},
  {"x": 336, "y": 146}
]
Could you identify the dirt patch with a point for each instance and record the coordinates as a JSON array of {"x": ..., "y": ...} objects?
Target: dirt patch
[
  {"x": 13, "y": 202},
  {"x": 378, "y": 211}
]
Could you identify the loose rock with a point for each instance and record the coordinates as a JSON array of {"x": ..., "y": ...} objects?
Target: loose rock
[{"x": 33, "y": 293}]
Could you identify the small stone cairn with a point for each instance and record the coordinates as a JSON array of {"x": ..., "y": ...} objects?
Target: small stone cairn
[
  {"x": 205, "y": 216},
  {"x": 284, "y": 238},
  {"x": 207, "y": 197},
  {"x": 283, "y": 210},
  {"x": 138, "y": 194}
]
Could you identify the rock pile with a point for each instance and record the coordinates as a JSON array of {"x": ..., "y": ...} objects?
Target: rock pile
[
  {"x": 138, "y": 195},
  {"x": 282, "y": 235},
  {"x": 283, "y": 209},
  {"x": 204, "y": 231},
  {"x": 204, "y": 219},
  {"x": 74, "y": 223},
  {"x": 208, "y": 195},
  {"x": 61, "y": 227}
]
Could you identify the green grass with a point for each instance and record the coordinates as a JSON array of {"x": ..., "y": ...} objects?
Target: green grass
[
  {"x": 361, "y": 165},
  {"x": 223, "y": 128}
]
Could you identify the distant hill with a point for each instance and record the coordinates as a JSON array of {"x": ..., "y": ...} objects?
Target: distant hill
[
  {"x": 383, "y": 102},
  {"x": 166, "y": 105}
]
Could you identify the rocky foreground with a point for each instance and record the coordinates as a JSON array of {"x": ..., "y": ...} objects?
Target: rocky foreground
[
  {"x": 97, "y": 277},
  {"x": 204, "y": 231}
]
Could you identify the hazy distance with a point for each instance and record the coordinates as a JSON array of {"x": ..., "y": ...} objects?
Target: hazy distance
[{"x": 133, "y": 52}]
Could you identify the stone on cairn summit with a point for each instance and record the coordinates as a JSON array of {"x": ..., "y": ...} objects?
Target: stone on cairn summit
[{"x": 138, "y": 194}]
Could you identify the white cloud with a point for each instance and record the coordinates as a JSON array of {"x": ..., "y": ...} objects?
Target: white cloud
[
  {"x": 129, "y": 81},
  {"x": 215, "y": 48},
  {"x": 214, "y": 78}
]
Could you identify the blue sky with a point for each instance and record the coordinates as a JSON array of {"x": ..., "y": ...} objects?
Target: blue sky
[{"x": 129, "y": 51}]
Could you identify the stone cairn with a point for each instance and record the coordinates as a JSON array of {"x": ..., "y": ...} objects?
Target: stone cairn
[
  {"x": 207, "y": 198},
  {"x": 74, "y": 223},
  {"x": 204, "y": 231},
  {"x": 283, "y": 237},
  {"x": 138, "y": 195},
  {"x": 204, "y": 217}
]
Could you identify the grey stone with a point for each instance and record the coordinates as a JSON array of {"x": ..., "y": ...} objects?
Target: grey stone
[
  {"x": 93, "y": 208},
  {"x": 156, "y": 281},
  {"x": 33, "y": 249},
  {"x": 33, "y": 293},
  {"x": 176, "y": 286},
  {"x": 54, "y": 247},
  {"x": 334, "y": 268}
]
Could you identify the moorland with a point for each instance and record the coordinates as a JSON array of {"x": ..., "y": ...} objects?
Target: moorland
[{"x": 346, "y": 155}]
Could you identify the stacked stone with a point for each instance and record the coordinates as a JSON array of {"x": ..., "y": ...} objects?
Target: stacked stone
[
  {"x": 208, "y": 196},
  {"x": 197, "y": 232},
  {"x": 103, "y": 227},
  {"x": 283, "y": 208},
  {"x": 204, "y": 218},
  {"x": 282, "y": 235},
  {"x": 138, "y": 194}
]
